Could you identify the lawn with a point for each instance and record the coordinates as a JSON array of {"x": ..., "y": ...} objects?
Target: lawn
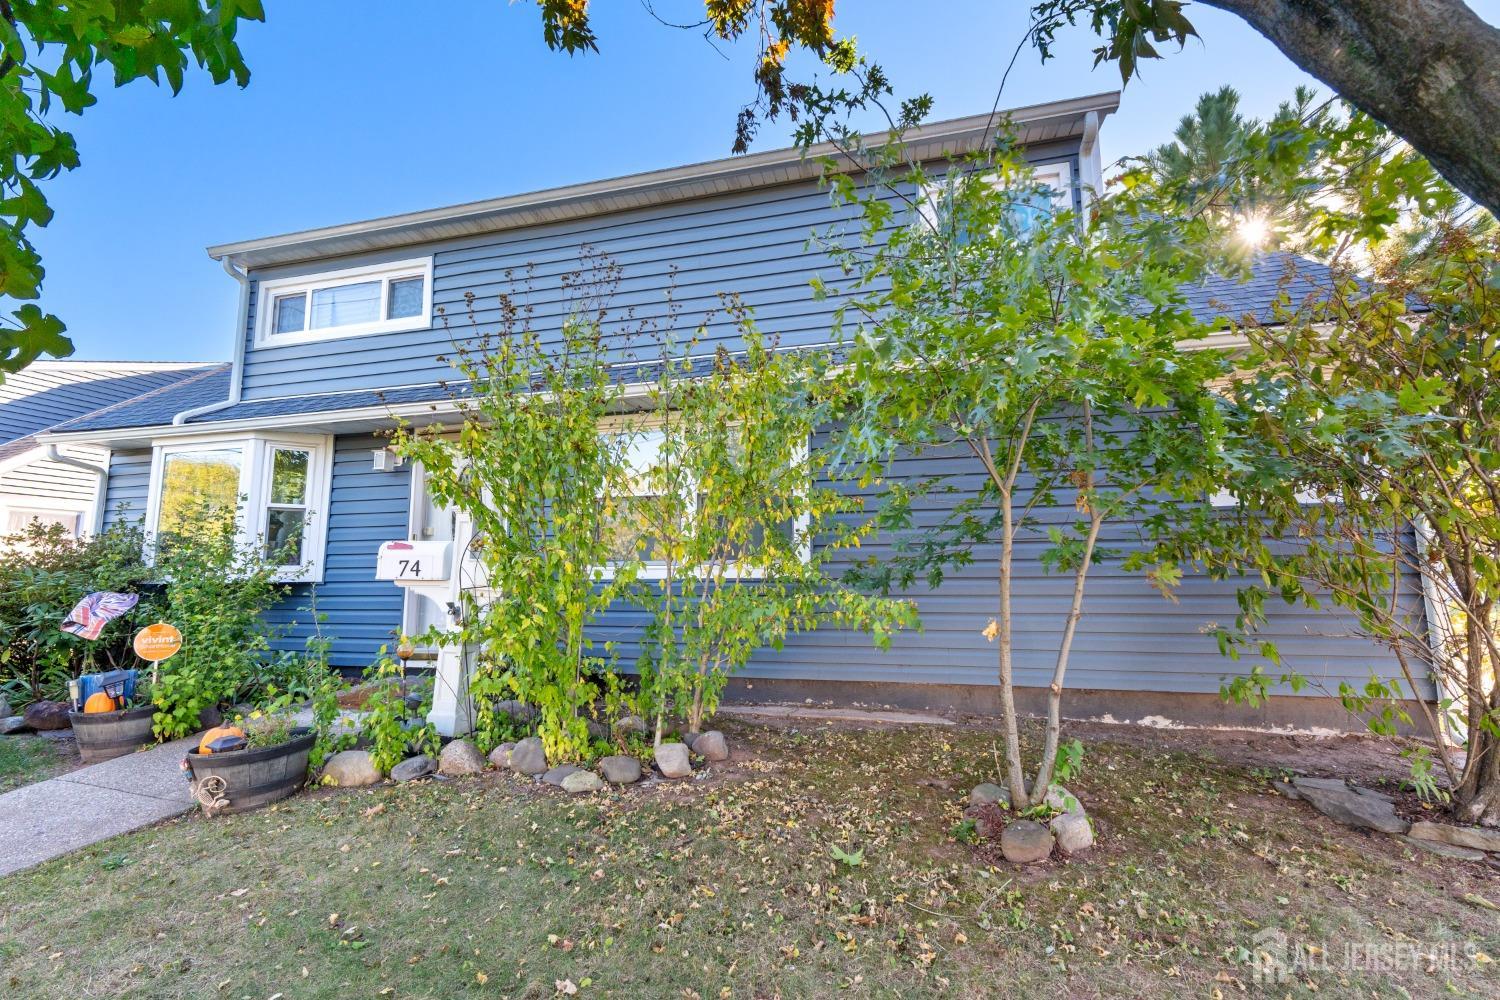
[
  {"x": 24, "y": 759},
  {"x": 726, "y": 887}
]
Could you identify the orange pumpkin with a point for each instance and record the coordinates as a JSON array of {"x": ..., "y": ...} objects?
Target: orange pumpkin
[
  {"x": 216, "y": 733},
  {"x": 99, "y": 702}
]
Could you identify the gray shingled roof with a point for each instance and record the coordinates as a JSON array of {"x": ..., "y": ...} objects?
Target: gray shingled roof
[
  {"x": 1274, "y": 277},
  {"x": 47, "y": 393},
  {"x": 197, "y": 387}
]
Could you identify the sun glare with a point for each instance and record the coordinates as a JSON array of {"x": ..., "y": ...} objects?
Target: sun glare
[{"x": 1253, "y": 231}]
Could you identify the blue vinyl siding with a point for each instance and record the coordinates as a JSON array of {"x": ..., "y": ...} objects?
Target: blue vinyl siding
[
  {"x": 129, "y": 483},
  {"x": 365, "y": 508},
  {"x": 1129, "y": 639},
  {"x": 751, "y": 244}
]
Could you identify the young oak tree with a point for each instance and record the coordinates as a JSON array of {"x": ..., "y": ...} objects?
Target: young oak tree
[
  {"x": 1048, "y": 348},
  {"x": 732, "y": 510}
]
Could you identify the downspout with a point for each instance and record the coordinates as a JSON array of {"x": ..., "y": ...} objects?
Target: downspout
[
  {"x": 101, "y": 482},
  {"x": 1090, "y": 161},
  {"x": 237, "y": 353}
]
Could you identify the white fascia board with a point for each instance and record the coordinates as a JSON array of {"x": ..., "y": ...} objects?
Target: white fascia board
[{"x": 642, "y": 189}]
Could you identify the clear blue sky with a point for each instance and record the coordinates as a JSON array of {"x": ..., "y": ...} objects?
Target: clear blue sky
[{"x": 357, "y": 110}]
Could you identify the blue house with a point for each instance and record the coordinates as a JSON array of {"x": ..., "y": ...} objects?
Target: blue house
[{"x": 340, "y": 330}]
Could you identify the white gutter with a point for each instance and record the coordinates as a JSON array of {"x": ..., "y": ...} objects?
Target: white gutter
[
  {"x": 237, "y": 353},
  {"x": 101, "y": 481}
]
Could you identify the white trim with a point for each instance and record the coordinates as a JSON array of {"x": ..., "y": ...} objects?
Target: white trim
[
  {"x": 1051, "y": 121},
  {"x": 256, "y": 452},
  {"x": 1057, "y": 175},
  {"x": 307, "y": 284},
  {"x": 616, "y": 424},
  {"x": 52, "y": 506}
]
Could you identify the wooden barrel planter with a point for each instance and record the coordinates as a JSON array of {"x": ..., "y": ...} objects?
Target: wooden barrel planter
[
  {"x": 241, "y": 780},
  {"x": 107, "y": 735}
]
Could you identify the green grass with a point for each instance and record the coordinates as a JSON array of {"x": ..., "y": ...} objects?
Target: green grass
[
  {"x": 25, "y": 759},
  {"x": 728, "y": 886}
]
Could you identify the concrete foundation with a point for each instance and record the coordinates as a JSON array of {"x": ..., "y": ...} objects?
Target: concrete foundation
[{"x": 1282, "y": 713}]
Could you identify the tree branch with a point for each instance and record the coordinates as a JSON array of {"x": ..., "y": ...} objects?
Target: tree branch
[{"x": 1428, "y": 69}]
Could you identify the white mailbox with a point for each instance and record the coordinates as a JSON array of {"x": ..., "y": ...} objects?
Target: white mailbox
[{"x": 414, "y": 562}]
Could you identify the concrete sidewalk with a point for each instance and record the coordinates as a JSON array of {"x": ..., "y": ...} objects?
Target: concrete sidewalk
[{"x": 50, "y": 818}]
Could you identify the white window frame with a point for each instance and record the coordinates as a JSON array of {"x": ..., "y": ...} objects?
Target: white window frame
[
  {"x": 258, "y": 450},
  {"x": 656, "y": 569},
  {"x": 1058, "y": 176},
  {"x": 271, "y": 290},
  {"x": 45, "y": 508}
]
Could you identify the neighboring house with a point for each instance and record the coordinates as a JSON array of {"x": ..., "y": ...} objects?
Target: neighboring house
[
  {"x": 64, "y": 488},
  {"x": 340, "y": 330}
]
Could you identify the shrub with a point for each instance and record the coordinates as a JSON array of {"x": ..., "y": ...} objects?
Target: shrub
[
  {"x": 391, "y": 734},
  {"x": 217, "y": 590},
  {"x": 44, "y": 575}
]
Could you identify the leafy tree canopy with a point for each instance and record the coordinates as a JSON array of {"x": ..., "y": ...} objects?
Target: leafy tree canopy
[{"x": 51, "y": 52}]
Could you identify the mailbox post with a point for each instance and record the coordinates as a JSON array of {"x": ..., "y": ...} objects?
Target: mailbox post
[{"x": 426, "y": 569}]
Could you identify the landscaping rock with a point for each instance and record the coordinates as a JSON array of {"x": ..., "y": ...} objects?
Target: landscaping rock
[
  {"x": 1371, "y": 793},
  {"x": 528, "y": 757},
  {"x": 620, "y": 769},
  {"x": 1339, "y": 802},
  {"x": 596, "y": 730},
  {"x": 1286, "y": 789},
  {"x": 990, "y": 793},
  {"x": 712, "y": 746},
  {"x": 672, "y": 760},
  {"x": 500, "y": 756},
  {"x": 12, "y": 724},
  {"x": 1472, "y": 837},
  {"x": 1062, "y": 800},
  {"x": 41, "y": 715},
  {"x": 628, "y": 724},
  {"x": 350, "y": 769},
  {"x": 558, "y": 774},
  {"x": 413, "y": 768},
  {"x": 582, "y": 781},
  {"x": 1025, "y": 842},
  {"x": 460, "y": 757},
  {"x": 1072, "y": 832},
  {"x": 1445, "y": 850},
  {"x": 5, "y": 710}
]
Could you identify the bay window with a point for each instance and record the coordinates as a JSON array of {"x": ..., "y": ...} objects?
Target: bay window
[
  {"x": 272, "y": 491},
  {"x": 381, "y": 298}
]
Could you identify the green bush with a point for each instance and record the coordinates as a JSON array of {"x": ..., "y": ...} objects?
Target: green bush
[
  {"x": 44, "y": 575},
  {"x": 217, "y": 590}
]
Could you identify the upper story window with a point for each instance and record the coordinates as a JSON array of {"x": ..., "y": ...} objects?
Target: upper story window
[
  {"x": 1055, "y": 180},
  {"x": 382, "y": 298}
]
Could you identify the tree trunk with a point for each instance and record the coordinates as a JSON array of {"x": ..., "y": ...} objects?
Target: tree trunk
[
  {"x": 1428, "y": 69},
  {"x": 1015, "y": 777},
  {"x": 1478, "y": 795},
  {"x": 1060, "y": 670}
]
